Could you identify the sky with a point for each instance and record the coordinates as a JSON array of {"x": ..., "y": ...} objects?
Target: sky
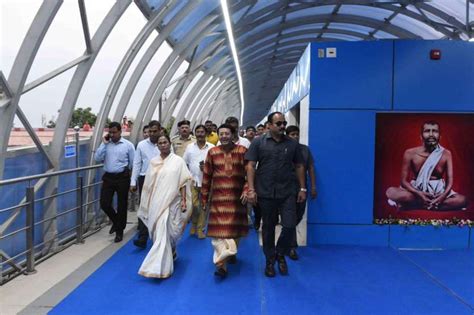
[{"x": 63, "y": 43}]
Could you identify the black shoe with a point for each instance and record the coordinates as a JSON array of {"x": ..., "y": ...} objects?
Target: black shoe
[
  {"x": 140, "y": 243},
  {"x": 112, "y": 229},
  {"x": 282, "y": 266},
  {"x": 270, "y": 270},
  {"x": 256, "y": 225},
  {"x": 232, "y": 259},
  {"x": 118, "y": 236},
  {"x": 220, "y": 272},
  {"x": 293, "y": 254},
  {"x": 175, "y": 255}
]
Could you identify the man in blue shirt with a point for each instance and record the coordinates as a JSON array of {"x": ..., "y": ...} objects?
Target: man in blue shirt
[
  {"x": 117, "y": 155},
  {"x": 146, "y": 150}
]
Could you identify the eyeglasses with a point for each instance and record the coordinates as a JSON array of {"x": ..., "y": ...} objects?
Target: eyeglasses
[{"x": 279, "y": 123}]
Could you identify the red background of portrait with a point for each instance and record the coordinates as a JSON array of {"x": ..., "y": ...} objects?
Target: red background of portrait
[{"x": 397, "y": 132}]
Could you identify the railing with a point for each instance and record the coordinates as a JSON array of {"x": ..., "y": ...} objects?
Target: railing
[{"x": 64, "y": 239}]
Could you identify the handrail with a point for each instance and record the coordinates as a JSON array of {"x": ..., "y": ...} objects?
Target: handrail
[
  {"x": 81, "y": 226},
  {"x": 46, "y": 175}
]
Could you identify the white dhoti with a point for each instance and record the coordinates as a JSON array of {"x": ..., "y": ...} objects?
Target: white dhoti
[
  {"x": 223, "y": 248},
  {"x": 424, "y": 183}
]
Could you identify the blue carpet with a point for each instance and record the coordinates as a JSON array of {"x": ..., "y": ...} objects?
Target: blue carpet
[{"x": 326, "y": 280}]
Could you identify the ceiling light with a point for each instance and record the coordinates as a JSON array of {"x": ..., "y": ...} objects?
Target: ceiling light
[{"x": 233, "y": 49}]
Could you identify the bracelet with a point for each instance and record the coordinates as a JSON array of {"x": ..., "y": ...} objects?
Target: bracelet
[{"x": 303, "y": 189}]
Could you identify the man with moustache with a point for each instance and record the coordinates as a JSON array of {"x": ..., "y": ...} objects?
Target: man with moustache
[
  {"x": 180, "y": 142},
  {"x": 250, "y": 133},
  {"x": 146, "y": 150},
  {"x": 194, "y": 156},
  {"x": 427, "y": 176}
]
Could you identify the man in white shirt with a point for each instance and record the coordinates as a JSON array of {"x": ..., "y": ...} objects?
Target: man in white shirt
[
  {"x": 194, "y": 156},
  {"x": 146, "y": 150}
]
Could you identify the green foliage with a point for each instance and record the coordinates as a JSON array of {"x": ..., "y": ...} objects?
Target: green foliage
[{"x": 80, "y": 116}]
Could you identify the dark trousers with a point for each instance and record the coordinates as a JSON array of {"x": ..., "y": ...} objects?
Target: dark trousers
[
  {"x": 271, "y": 208},
  {"x": 142, "y": 229},
  {"x": 111, "y": 184},
  {"x": 257, "y": 214},
  {"x": 300, "y": 209}
]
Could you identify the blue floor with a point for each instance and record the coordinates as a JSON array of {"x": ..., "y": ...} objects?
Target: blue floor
[{"x": 326, "y": 280}]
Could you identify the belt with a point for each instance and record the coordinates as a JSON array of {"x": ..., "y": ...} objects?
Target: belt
[{"x": 124, "y": 172}]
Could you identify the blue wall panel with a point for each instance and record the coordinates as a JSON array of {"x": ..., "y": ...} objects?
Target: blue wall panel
[
  {"x": 429, "y": 237},
  {"x": 332, "y": 234},
  {"x": 10, "y": 195},
  {"x": 360, "y": 76},
  {"x": 342, "y": 143},
  {"x": 422, "y": 84}
]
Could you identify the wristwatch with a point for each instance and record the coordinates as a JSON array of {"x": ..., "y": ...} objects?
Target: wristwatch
[{"x": 303, "y": 189}]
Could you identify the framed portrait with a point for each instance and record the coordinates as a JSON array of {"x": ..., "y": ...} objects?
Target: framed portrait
[{"x": 424, "y": 166}]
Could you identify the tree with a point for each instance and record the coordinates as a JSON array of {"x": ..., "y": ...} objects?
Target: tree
[{"x": 80, "y": 116}]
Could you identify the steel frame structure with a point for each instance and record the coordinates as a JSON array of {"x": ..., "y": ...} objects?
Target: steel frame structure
[{"x": 209, "y": 83}]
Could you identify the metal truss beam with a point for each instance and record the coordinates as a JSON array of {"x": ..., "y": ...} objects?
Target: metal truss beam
[
  {"x": 163, "y": 76},
  {"x": 21, "y": 69}
]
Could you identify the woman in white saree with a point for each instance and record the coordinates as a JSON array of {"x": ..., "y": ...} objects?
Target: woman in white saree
[{"x": 165, "y": 209}]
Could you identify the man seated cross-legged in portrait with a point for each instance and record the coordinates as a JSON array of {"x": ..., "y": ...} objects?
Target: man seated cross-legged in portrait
[{"x": 431, "y": 186}]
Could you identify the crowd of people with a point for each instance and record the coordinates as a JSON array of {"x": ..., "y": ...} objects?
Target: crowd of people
[{"x": 213, "y": 178}]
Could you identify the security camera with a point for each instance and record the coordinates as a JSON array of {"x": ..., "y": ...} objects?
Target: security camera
[{"x": 77, "y": 128}]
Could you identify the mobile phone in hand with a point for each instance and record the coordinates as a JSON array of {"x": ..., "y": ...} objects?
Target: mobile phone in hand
[{"x": 107, "y": 137}]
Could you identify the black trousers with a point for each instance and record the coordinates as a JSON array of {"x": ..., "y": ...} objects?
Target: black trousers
[
  {"x": 115, "y": 183},
  {"x": 257, "y": 213},
  {"x": 142, "y": 229},
  {"x": 300, "y": 209},
  {"x": 271, "y": 208}
]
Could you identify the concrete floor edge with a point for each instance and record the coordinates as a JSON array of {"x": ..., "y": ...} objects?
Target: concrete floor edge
[{"x": 44, "y": 303}]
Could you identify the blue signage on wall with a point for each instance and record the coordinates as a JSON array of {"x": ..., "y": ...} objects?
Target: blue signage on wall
[{"x": 69, "y": 151}]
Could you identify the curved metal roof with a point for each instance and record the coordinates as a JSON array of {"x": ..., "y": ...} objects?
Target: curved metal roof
[
  {"x": 270, "y": 37},
  {"x": 272, "y": 34}
]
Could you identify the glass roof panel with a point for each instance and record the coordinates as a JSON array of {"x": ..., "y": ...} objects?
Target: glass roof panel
[
  {"x": 303, "y": 27},
  {"x": 261, "y": 27},
  {"x": 257, "y": 43},
  {"x": 205, "y": 42},
  {"x": 155, "y": 4},
  {"x": 236, "y": 16},
  {"x": 194, "y": 18},
  {"x": 416, "y": 27},
  {"x": 432, "y": 17},
  {"x": 340, "y": 36},
  {"x": 384, "y": 35},
  {"x": 261, "y": 4},
  {"x": 307, "y": 36},
  {"x": 455, "y": 8},
  {"x": 366, "y": 11},
  {"x": 324, "y": 9},
  {"x": 174, "y": 11},
  {"x": 352, "y": 27}
]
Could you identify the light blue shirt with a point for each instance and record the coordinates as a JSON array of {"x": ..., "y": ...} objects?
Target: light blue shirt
[
  {"x": 116, "y": 156},
  {"x": 146, "y": 150}
]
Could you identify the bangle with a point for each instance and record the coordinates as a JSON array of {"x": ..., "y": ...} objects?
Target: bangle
[{"x": 303, "y": 189}]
